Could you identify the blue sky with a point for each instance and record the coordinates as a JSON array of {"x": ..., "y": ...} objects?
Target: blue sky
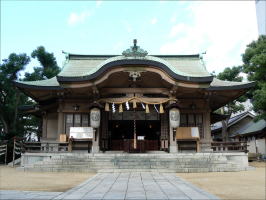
[{"x": 223, "y": 29}]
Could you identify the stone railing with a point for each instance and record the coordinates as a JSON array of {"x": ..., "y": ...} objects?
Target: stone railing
[
  {"x": 229, "y": 146},
  {"x": 45, "y": 147}
]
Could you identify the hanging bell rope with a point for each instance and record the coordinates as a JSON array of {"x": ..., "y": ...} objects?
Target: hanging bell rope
[{"x": 134, "y": 103}]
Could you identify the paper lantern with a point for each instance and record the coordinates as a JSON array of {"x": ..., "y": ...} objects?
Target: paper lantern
[
  {"x": 95, "y": 117},
  {"x": 174, "y": 117}
]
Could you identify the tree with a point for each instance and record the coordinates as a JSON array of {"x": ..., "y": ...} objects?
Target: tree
[
  {"x": 230, "y": 74},
  {"x": 12, "y": 121},
  {"x": 48, "y": 68},
  {"x": 254, "y": 60},
  {"x": 10, "y": 97}
]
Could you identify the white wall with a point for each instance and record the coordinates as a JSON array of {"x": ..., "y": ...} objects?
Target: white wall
[{"x": 259, "y": 143}]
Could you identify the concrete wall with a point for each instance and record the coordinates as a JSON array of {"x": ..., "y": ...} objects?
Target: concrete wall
[{"x": 52, "y": 126}]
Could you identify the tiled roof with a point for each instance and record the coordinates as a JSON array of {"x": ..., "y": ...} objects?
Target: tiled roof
[
  {"x": 85, "y": 65},
  {"x": 251, "y": 127},
  {"x": 232, "y": 120}
]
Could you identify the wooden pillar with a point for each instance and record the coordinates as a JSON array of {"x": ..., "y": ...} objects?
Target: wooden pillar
[
  {"x": 60, "y": 122},
  {"x": 44, "y": 126},
  {"x": 206, "y": 141}
]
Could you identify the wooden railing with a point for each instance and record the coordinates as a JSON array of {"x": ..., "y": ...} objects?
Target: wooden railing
[{"x": 229, "y": 146}]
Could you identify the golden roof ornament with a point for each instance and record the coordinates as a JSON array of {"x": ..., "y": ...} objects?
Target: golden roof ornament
[{"x": 135, "y": 51}]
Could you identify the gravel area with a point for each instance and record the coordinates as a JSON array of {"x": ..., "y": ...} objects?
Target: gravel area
[
  {"x": 11, "y": 179},
  {"x": 232, "y": 185}
]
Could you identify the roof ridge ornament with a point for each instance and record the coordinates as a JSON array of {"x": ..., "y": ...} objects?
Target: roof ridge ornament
[{"x": 135, "y": 51}]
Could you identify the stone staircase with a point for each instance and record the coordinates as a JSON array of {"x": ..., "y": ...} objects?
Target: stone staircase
[{"x": 108, "y": 162}]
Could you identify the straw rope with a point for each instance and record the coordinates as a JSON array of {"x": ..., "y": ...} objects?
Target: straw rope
[{"x": 136, "y": 99}]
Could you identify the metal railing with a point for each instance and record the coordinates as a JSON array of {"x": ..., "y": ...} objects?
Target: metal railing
[{"x": 229, "y": 146}]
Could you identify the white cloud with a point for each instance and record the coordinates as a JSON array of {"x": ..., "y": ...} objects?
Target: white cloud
[
  {"x": 154, "y": 20},
  {"x": 222, "y": 28},
  {"x": 173, "y": 18},
  {"x": 98, "y": 3},
  {"x": 75, "y": 18}
]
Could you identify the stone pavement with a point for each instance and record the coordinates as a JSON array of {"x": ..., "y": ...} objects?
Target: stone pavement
[{"x": 131, "y": 185}]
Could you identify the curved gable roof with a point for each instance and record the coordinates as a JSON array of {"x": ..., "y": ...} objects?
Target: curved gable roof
[{"x": 184, "y": 68}]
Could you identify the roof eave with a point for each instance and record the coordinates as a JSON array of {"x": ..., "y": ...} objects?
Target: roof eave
[
  {"x": 235, "y": 87},
  {"x": 37, "y": 87}
]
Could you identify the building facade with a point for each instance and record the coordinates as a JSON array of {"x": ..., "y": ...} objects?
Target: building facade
[{"x": 139, "y": 102}]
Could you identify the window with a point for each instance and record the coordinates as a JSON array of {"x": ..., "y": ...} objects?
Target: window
[{"x": 76, "y": 120}]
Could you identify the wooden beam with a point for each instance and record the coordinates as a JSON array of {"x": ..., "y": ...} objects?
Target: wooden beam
[{"x": 165, "y": 91}]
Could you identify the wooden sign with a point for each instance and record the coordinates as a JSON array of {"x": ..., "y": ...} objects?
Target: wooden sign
[
  {"x": 183, "y": 133},
  {"x": 81, "y": 132}
]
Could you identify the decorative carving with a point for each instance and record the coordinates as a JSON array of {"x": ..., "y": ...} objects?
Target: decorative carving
[
  {"x": 134, "y": 75},
  {"x": 135, "y": 51}
]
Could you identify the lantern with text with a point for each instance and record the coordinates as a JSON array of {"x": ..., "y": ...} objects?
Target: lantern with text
[
  {"x": 95, "y": 117},
  {"x": 174, "y": 118}
]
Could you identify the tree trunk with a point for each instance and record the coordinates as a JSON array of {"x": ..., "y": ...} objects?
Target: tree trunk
[
  {"x": 16, "y": 112},
  {"x": 224, "y": 131}
]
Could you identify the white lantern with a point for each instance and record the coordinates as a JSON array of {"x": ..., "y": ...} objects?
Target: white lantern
[
  {"x": 174, "y": 118},
  {"x": 95, "y": 117}
]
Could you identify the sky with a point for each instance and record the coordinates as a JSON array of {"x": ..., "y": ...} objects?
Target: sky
[{"x": 222, "y": 29}]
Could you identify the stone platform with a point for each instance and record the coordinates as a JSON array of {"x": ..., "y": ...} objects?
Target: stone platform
[{"x": 124, "y": 162}]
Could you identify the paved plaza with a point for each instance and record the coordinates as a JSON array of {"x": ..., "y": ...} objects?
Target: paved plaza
[{"x": 131, "y": 185}]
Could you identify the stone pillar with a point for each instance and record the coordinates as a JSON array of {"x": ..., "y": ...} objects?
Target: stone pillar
[
  {"x": 172, "y": 140},
  {"x": 95, "y": 142},
  {"x": 206, "y": 141},
  {"x": 60, "y": 122}
]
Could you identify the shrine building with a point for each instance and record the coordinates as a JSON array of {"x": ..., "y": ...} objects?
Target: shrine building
[{"x": 134, "y": 102}]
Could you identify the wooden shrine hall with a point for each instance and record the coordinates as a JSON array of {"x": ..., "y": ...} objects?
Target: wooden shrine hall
[{"x": 132, "y": 102}]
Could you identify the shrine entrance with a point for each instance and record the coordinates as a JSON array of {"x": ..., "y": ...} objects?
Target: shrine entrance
[{"x": 122, "y": 127}]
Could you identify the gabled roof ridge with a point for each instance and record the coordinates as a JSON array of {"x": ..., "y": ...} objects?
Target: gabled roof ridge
[
  {"x": 113, "y": 55},
  {"x": 240, "y": 116}
]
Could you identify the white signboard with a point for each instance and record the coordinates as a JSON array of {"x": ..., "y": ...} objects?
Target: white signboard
[
  {"x": 195, "y": 132},
  {"x": 140, "y": 137},
  {"x": 81, "y": 132}
]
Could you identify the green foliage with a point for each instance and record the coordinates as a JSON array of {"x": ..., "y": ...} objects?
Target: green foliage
[
  {"x": 233, "y": 74},
  {"x": 48, "y": 69},
  {"x": 254, "y": 60},
  {"x": 10, "y": 98},
  {"x": 12, "y": 121}
]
